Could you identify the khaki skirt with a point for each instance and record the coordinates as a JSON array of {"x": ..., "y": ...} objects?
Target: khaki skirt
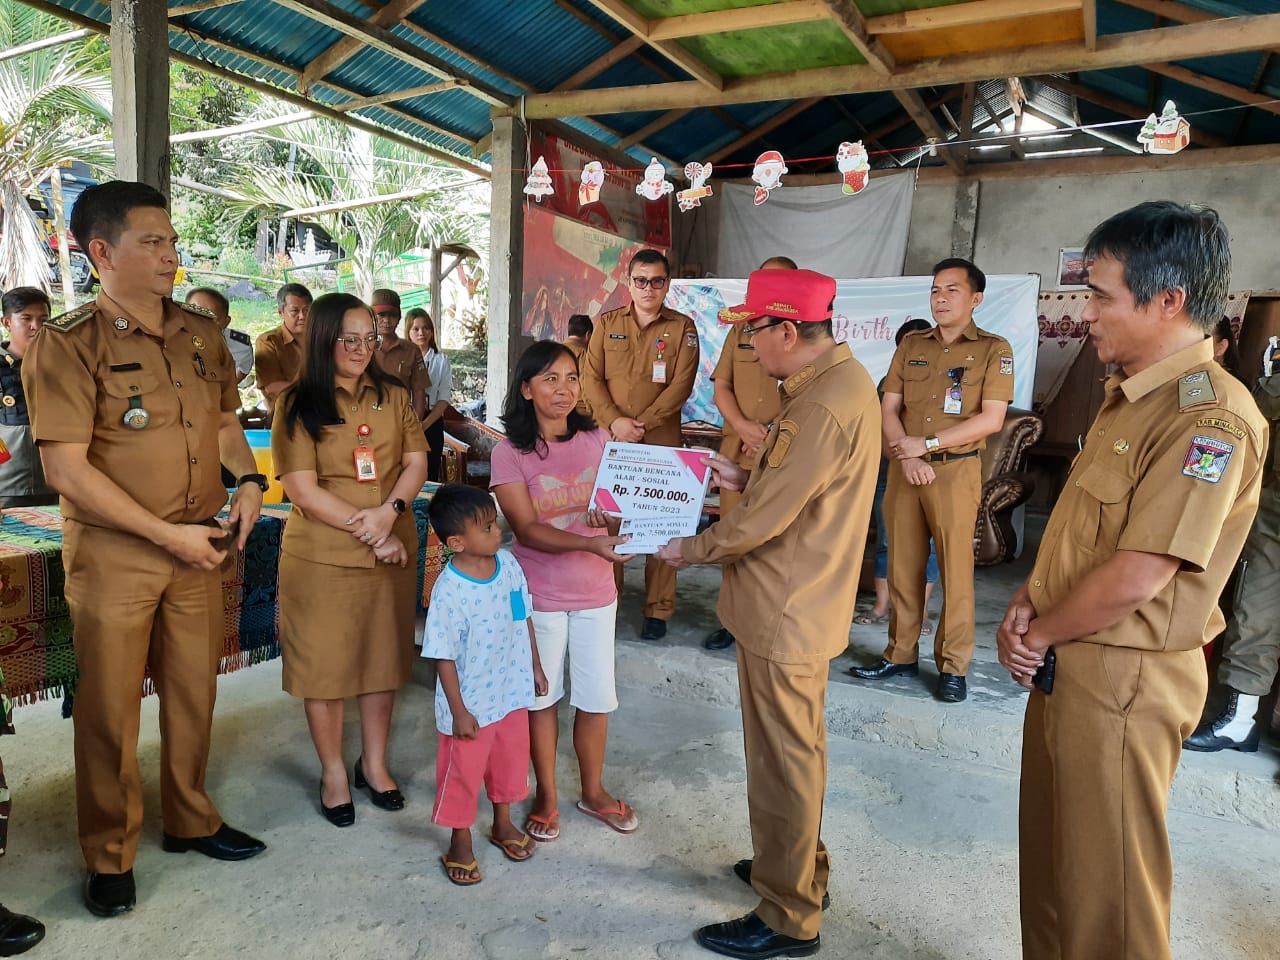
[{"x": 345, "y": 631}]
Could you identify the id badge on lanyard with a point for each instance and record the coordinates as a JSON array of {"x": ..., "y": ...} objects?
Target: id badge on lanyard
[
  {"x": 660, "y": 365},
  {"x": 365, "y": 462},
  {"x": 954, "y": 400}
]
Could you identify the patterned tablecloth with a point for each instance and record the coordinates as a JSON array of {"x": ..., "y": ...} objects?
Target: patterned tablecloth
[{"x": 37, "y": 659}]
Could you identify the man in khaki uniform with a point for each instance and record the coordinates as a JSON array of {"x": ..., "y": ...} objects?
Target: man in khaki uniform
[
  {"x": 579, "y": 337},
  {"x": 946, "y": 391},
  {"x": 1251, "y": 645},
  {"x": 791, "y": 551},
  {"x": 1124, "y": 590},
  {"x": 277, "y": 354},
  {"x": 396, "y": 355},
  {"x": 133, "y": 401},
  {"x": 641, "y": 363},
  {"x": 748, "y": 400}
]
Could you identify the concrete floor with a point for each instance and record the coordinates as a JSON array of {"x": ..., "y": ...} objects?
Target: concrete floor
[{"x": 920, "y": 818}]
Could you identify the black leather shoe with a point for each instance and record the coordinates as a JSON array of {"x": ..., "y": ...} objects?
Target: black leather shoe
[
  {"x": 110, "y": 894},
  {"x": 227, "y": 844},
  {"x": 653, "y": 629},
  {"x": 340, "y": 815},
  {"x": 884, "y": 670},
  {"x": 720, "y": 640},
  {"x": 18, "y": 933},
  {"x": 1210, "y": 737},
  {"x": 383, "y": 799},
  {"x": 750, "y": 937},
  {"x": 743, "y": 869},
  {"x": 951, "y": 689}
]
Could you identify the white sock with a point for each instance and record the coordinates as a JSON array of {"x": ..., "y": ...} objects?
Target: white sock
[{"x": 1239, "y": 727}]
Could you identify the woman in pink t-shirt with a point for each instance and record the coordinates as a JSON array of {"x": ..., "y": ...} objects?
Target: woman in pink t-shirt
[{"x": 543, "y": 474}]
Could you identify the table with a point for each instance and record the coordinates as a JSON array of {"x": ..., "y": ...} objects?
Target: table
[{"x": 36, "y": 653}]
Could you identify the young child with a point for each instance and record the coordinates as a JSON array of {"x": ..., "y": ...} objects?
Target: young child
[{"x": 487, "y": 667}]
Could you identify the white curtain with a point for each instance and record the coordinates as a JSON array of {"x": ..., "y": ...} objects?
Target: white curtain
[{"x": 819, "y": 227}]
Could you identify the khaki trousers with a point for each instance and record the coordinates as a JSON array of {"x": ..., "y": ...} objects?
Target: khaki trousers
[
  {"x": 1098, "y": 759},
  {"x": 947, "y": 511},
  {"x": 784, "y": 732},
  {"x": 132, "y": 606},
  {"x": 1251, "y": 646}
]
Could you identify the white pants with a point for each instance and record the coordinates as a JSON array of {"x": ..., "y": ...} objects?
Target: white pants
[{"x": 587, "y": 637}]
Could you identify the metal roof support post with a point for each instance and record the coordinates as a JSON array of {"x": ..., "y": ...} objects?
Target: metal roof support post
[
  {"x": 506, "y": 257},
  {"x": 140, "y": 90}
]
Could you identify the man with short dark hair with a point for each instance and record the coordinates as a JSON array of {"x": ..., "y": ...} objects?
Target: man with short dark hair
[
  {"x": 22, "y": 483},
  {"x": 133, "y": 403},
  {"x": 398, "y": 356},
  {"x": 238, "y": 342},
  {"x": 277, "y": 354},
  {"x": 1124, "y": 591},
  {"x": 946, "y": 391},
  {"x": 791, "y": 552},
  {"x": 639, "y": 371}
]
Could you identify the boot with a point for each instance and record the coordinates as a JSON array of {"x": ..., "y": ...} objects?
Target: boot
[{"x": 1233, "y": 729}]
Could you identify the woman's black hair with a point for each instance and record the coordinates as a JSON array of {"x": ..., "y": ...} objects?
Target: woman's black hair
[
  {"x": 518, "y": 417},
  {"x": 416, "y": 313},
  {"x": 314, "y": 399},
  {"x": 1231, "y": 361}
]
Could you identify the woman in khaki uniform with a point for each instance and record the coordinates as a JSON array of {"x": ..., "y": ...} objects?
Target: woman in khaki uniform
[{"x": 350, "y": 453}]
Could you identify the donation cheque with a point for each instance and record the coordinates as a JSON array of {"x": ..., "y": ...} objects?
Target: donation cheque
[{"x": 656, "y": 491}]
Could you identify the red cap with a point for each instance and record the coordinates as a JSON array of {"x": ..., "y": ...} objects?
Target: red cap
[{"x": 800, "y": 295}]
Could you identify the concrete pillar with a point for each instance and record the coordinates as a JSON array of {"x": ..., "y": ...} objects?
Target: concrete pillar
[
  {"x": 506, "y": 257},
  {"x": 140, "y": 90},
  {"x": 965, "y": 226}
]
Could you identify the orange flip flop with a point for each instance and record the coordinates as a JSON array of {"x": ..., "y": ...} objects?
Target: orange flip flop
[
  {"x": 621, "y": 818},
  {"x": 517, "y": 850},
  {"x": 454, "y": 865},
  {"x": 543, "y": 829}
]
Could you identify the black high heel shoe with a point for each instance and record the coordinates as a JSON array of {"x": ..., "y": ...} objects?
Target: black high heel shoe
[
  {"x": 385, "y": 799},
  {"x": 343, "y": 815}
]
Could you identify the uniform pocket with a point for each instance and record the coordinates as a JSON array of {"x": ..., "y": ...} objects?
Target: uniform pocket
[{"x": 1107, "y": 507}]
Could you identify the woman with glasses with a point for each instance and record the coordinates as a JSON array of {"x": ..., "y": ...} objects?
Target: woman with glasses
[
  {"x": 422, "y": 333},
  {"x": 350, "y": 454}
]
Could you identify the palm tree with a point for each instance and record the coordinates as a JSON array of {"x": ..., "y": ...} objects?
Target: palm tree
[
  {"x": 351, "y": 169},
  {"x": 55, "y": 106}
]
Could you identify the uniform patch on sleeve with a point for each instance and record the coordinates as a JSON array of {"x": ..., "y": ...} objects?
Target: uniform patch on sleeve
[
  {"x": 787, "y": 431},
  {"x": 1220, "y": 424},
  {"x": 691, "y": 339},
  {"x": 1207, "y": 459},
  {"x": 1006, "y": 366}
]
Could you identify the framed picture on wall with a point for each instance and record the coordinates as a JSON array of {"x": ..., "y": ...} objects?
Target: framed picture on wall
[{"x": 1073, "y": 270}]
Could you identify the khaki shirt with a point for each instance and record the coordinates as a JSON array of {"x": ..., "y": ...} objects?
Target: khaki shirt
[
  {"x": 921, "y": 371},
  {"x": 22, "y": 475},
  {"x": 394, "y": 431},
  {"x": 792, "y": 548},
  {"x": 403, "y": 361},
  {"x": 1171, "y": 465},
  {"x": 579, "y": 350},
  {"x": 277, "y": 355},
  {"x": 618, "y": 376},
  {"x": 86, "y": 368},
  {"x": 1267, "y": 396},
  {"x": 756, "y": 391}
]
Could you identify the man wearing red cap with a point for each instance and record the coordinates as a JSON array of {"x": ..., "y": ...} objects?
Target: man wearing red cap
[{"x": 791, "y": 552}]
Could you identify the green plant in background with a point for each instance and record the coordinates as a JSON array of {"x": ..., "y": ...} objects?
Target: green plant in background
[{"x": 55, "y": 106}]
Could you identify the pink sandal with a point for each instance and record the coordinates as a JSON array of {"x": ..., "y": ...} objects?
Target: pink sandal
[
  {"x": 621, "y": 818},
  {"x": 543, "y": 829}
]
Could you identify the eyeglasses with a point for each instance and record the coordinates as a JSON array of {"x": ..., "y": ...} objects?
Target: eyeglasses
[
  {"x": 353, "y": 343},
  {"x": 644, "y": 283},
  {"x": 752, "y": 331}
]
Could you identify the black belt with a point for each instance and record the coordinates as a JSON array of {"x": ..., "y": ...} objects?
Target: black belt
[{"x": 944, "y": 457}]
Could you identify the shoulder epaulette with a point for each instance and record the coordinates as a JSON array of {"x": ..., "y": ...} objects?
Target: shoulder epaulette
[
  {"x": 239, "y": 336},
  {"x": 197, "y": 310},
  {"x": 1196, "y": 390},
  {"x": 73, "y": 318}
]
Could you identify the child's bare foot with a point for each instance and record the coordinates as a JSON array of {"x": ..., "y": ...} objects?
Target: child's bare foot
[
  {"x": 460, "y": 860},
  {"x": 515, "y": 844}
]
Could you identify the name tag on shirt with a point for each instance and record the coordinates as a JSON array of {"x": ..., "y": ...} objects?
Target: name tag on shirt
[
  {"x": 954, "y": 400},
  {"x": 659, "y": 371},
  {"x": 517, "y": 606}
]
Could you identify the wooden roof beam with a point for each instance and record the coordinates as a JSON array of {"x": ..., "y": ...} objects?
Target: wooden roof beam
[
  {"x": 1178, "y": 13},
  {"x": 1235, "y": 35},
  {"x": 649, "y": 129},
  {"x": 850, "y": 19},
  {"x": 407, "y": 94},
  {"x": 740, "y": 18},
  {"x": 1214, "y": 85},
  {"x": 751, "y": 136},
  {"x": 598, "y": 66},
  {"x": 677, "y": 54},
  {"x": 965, "y": 14},
  {"x": 923, "y": 117},
  {"x": 381, "y": 39},
  {"x": 1090, "y": 11},
  {"x": 187, "y": 9},
  {"x": 346, "y": 48},
  {"x": 1124, "y": 107}
]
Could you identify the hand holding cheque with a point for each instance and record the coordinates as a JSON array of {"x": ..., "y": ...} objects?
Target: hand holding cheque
[{"x": 657, "y": 492}]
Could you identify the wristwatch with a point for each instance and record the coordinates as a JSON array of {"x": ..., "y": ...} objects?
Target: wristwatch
[
  {"x": 398, "y": 505},
  {"x": 258, "y": 478},
  {"x": 932, "y": 444}
]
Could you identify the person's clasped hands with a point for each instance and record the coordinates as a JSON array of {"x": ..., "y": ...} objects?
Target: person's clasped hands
[
  {"x": 1019, "y": 651},
  {"x": 372, "y": 526}
]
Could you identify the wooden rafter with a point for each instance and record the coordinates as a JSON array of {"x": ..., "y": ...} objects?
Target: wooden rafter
[
  {"x": 650, "y": 129},
  {"x": 1178, "y": 13},
  {"x": 674, "y": 52},
  {"x": 923, "y": 117},
  {"x": 1259, "y": 75},
  {"x": 1214, "y": 85},
  {"x": 966, "y": 116},
  {"x": 339, "y": 53},
  {"x": 772, "y": 123},
  {"x": 739, "y": 18},
  {"x": 407, "y": 94},
  {"x": 1090, "y": 11},
  {"x": 599, "y": 65},
  {"x": 379, "y": 38},
  {"x": 1189, "y": 41},
  {"x": 850, "y": 20},
  {"x": 200, "y": 6},
  {"x": 965, "y": 14},
  {"x": 1123, "y": 107}
]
